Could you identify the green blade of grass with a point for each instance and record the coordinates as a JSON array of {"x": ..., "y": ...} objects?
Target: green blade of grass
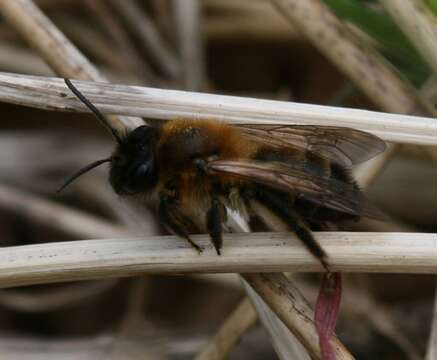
[
  {"x": 392, "y": 43},
  {"x": 432, "y": 5}
]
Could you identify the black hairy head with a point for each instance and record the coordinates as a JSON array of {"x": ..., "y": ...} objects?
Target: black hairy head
[
  {"x": 134, "y": 168},
  {"x": 133, "y": 165}
]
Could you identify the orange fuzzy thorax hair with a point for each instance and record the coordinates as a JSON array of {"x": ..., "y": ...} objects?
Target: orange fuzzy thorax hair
[{"x": 187, "y": 138}]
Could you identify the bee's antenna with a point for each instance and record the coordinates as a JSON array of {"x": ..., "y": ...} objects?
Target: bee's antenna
[
  {"x": 93, "y": 109},
  {"x": 83, "y": 171}
]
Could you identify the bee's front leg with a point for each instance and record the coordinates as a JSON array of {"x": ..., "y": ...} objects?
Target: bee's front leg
[{"x": 173, "y": 220}]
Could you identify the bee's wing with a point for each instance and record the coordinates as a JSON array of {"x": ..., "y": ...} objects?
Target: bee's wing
[
  {"x": 324, "y": 191},
  {"x": 345, "y": 146}
]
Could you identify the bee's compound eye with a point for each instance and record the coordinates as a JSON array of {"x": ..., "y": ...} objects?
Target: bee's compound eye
[
  {"x": 143, "y": 177},
  {"x": 138, "y": 175}
]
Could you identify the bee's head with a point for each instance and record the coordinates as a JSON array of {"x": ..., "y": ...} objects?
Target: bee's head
[
  {"x": 133, "y": 165},
  {"x": 134, "y": 168}
]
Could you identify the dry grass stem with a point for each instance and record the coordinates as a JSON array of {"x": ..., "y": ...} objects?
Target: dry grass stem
[
  {"x": 291, "y": 307},
  {"x": 431, "y": 351},
  {"x": 284, "y": 342},
  {"x": 249, "y": 28},
  {"x": 53, "y": 300},
  {"x": 42, "y": 34},
  {"x": 92, "y": 41},
  {"x": 114, "y": 28},
  {"x": 24, "y": 61},
  {"x": 52, "y": 94},
  {"x": 286, "y": 345},
  {"x": 49, "y": 4},
  {"x": 56, "y": 216},
  {"x": 363, "y": 65},
  {"x": 132, "y": 319},
  {"x": 145, "y": 29},
  {"x": 17, "y": 59},
  {"x": 188, "y": 18},
  {"x": 61, "y": 55},
  {"x": 419, "y": 24},
  {"x": 248, "y": 20},
  {"x": 233, "y": 328},
  {"x": 429, "y": 90},
  {"x": 279, "y": 252},
  {"x": 88, "y": 348},
  {"x": 163, "y": 16}
]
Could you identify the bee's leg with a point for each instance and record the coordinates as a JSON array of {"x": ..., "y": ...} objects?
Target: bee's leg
[
  {"x": 173, "y": 220},
  {"x": 267, "y": 202},
  {"x": 215, "y": 214},
  {"x": 214, "y": 219}
]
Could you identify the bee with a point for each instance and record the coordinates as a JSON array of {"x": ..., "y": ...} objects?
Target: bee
[{"x": 294, "y": 175}]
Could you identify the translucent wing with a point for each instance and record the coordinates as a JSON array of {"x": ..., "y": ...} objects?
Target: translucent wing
[
  {"x": 292, "y": 179},
  {"x": 345, "y": 146}
]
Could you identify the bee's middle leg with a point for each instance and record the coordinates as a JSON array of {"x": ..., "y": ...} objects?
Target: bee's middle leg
[{"x": 214, "y": 220}]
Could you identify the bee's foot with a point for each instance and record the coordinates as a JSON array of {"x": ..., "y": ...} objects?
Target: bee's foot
[
  {"x": 199, "y": 249},
  {"x": 325, "y": 265}
]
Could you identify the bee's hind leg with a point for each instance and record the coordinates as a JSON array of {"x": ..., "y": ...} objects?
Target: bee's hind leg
[
  {"x": 172, "y": 219},
  {"x": 273, "y": 206}
]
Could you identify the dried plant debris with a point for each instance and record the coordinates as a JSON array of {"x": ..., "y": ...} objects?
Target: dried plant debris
[{"x": 298, "y": 52}]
